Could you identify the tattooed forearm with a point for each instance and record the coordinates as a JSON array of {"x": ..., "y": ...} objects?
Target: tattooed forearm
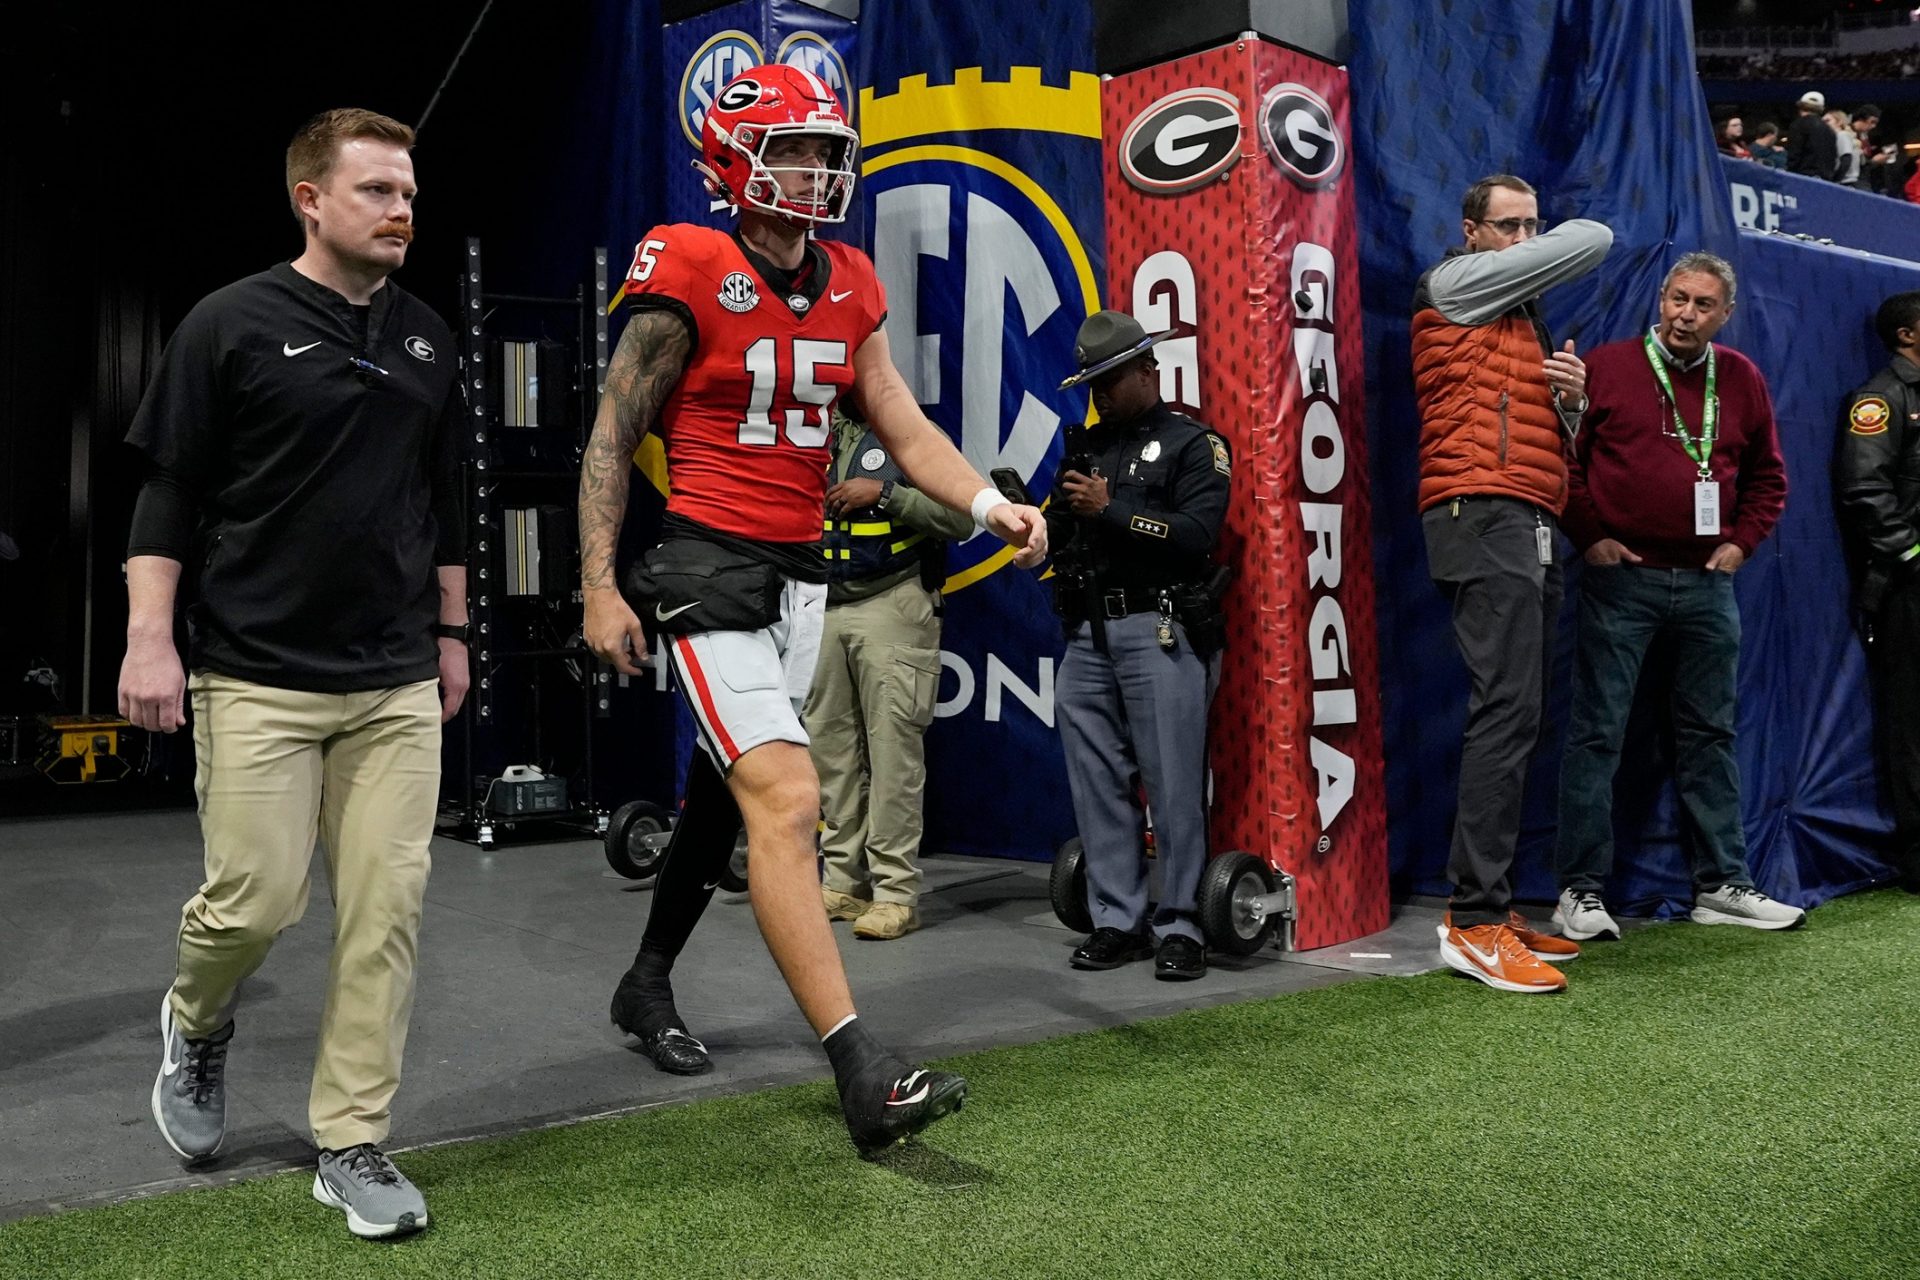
[{"x": 645, "y": 365}]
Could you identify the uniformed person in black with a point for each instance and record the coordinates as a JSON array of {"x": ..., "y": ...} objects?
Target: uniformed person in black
[
  {"x": 1134, "y": 519},
  {"x": 1877, "y": 478},
  {"x": 302, "y": 500}
]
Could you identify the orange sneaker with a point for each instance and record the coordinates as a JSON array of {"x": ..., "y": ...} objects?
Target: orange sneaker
[
  {"x": 1494, "y": 954},
  {"x": 1545, "y": 946}
]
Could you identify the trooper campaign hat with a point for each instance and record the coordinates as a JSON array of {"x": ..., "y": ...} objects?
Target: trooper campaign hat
[{"x": 1107, "y": 340}]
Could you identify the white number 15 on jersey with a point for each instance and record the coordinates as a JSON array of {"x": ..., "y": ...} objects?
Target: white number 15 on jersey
[{"x": 805, "y": 430}]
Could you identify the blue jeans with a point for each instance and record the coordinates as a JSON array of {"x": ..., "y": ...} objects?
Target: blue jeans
[{"x": 1623, "y": 609}]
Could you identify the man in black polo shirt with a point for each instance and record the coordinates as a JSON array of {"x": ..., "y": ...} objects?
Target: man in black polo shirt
[{"x": 300, "y": 437}]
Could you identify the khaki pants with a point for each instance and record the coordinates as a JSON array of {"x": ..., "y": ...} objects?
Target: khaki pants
[
  {"x": 867, "y": 714},
  {"x": 277, "y": 767}
]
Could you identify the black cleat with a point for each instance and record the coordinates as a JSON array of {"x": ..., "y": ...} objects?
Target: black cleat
[
  {"x": 675, "y": 1052},
  {"x": 670, "y": 1046},
  {"x": 888, "y": 1108}
]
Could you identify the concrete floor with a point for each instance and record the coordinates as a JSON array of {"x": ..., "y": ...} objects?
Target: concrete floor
[{"x": 519, "y": 953}]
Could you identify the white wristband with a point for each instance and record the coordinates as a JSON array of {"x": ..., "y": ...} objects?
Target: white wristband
[{"x": 985, "y": 501}]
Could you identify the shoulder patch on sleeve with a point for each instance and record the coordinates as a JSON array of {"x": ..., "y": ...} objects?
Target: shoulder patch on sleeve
[
  {"x": 1222, "y": 459},
  {"x": 1149, "y": 526},
  {"x": 1869, "y": 416}
]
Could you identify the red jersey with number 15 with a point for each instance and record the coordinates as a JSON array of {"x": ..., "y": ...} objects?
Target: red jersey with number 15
[{"x": 747, "y": 429}]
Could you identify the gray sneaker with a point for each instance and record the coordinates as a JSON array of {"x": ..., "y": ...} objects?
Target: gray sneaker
[
  {"x": 1743, "y": 904},
  {"x": 190, "y": 1093},
  {"x": 1582, "y": 915},
  {"x": 376, "y": 1197}
]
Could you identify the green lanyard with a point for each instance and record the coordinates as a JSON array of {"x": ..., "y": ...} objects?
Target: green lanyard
[{"x": 1701, "y": 449}]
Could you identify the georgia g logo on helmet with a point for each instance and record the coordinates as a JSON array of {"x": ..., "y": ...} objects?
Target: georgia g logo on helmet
[{"x": 766, "y": 103}]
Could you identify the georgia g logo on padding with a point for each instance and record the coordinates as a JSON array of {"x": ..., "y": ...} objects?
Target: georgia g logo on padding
[
  {"x": 1298, "y": 130},
  {"x": 1184, "y": 140}
]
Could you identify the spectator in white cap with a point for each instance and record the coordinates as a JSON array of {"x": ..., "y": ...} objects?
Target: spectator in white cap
[{"x": 1813, "y": 148}]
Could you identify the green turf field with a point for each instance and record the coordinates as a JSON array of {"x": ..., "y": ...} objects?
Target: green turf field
[{"x": 1702, "y": 1103}]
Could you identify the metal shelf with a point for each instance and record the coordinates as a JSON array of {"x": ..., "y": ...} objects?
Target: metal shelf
[{"x": 480, "y": 480}]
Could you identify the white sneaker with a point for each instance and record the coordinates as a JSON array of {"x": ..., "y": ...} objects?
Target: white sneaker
[
  {"x": 1582, "y": 915},
  {"x": 1743, "y": 904}
]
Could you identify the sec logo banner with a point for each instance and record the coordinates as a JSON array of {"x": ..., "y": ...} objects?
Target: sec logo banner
[
  {"x": 987, "y": 277},
  {"x": 719, "y": 60}
]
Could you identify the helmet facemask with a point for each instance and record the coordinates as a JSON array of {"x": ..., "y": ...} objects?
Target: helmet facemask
[{"x": 758, "y": 184}]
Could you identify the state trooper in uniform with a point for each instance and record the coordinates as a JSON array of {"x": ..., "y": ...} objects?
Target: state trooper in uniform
[
  {"x": 1877, "y": 479},
  {"x": 1134, "y": 519},
  {"x": 872, "y": 696}
]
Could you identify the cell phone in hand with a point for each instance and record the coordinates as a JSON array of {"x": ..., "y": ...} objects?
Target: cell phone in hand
[{"x": 1011, "y": 487}]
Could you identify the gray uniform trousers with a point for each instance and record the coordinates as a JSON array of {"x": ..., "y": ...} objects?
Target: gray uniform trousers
[{"x": 1138, "y": 708}]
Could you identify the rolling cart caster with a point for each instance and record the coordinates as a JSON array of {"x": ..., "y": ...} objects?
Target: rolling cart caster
[
  {"x": 1067, "y": 887},
  {"x": 636, "y": 839},
  {"x": 1241, "y": 906}
]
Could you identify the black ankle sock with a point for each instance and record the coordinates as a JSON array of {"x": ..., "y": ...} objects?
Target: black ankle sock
[
  {"x": 645, "y": 998},
  {"x": 854, "y": 1053}
]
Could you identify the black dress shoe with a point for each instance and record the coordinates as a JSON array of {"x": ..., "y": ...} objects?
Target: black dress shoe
[
  {"x": 1180, "y": 959},
  {"x": 1109, "y": 949}
]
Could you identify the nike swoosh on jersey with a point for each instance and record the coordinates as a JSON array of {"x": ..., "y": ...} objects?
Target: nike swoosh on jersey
[
  {"x": 287, "y": 348},
  {"x": 662, "y": 614},
  {"x": 709, "y": 888},
  {"x": 841, "y": 296}
]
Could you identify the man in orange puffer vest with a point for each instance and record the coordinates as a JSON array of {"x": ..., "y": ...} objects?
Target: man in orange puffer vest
[{"x": 1497, "y": 404}]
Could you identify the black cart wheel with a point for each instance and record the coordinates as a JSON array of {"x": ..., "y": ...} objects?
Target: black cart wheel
[
  {"x": 1067, "y": 887},
  {"x": 1227, "y": 889},
  {"x": 734, "y": 878},
  {"x": 628, "y": 850}
]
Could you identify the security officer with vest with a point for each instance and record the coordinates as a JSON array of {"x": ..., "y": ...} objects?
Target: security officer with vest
[
  {"x": 1134, "y": 520},
  {"x": 873, "y": 692},
  {"x": 1877, "y": 480}
]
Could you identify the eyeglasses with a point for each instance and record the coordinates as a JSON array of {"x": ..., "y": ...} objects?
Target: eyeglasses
[{"x": 1512, "y": 226}]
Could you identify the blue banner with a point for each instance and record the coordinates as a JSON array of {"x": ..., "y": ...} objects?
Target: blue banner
[
  {"x": 1442, "y": 96},
  {"x": 1817, "y": 824},
  {"x": 1773, "y": 200},
  {"x": 982, "y": 181},
  {"x": 1440, "y": 101}
]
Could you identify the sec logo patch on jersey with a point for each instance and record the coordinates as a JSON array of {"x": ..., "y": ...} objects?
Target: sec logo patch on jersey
[
  {"x": 737, "y": 293},
  {"x": 1869, "y": 416}
]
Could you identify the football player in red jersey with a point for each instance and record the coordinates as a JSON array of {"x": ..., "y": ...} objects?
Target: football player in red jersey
[{"x": 738, "y": 347}]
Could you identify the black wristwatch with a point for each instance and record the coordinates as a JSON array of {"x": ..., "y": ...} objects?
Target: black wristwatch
[{"x": 461, "y": 631}]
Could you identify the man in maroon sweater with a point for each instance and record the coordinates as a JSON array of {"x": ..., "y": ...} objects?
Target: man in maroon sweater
[{"x": 1675, "y": 477}]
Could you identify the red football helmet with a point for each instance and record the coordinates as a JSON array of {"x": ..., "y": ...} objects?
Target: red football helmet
[{"x": 768, "y": 102}]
